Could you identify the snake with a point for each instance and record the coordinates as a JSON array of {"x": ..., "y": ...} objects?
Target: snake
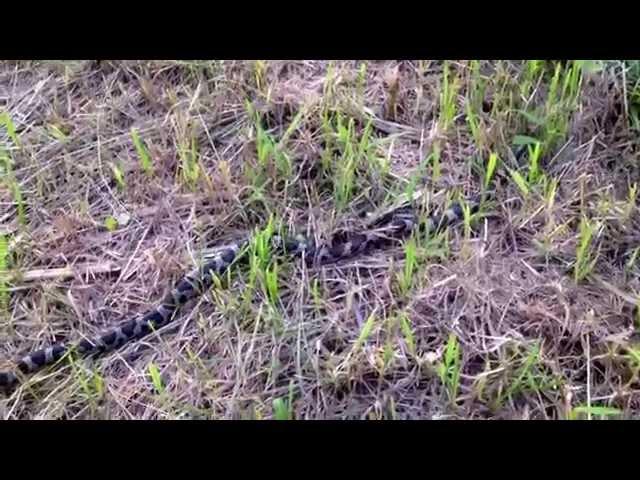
[{"x": 383, "y": 231}]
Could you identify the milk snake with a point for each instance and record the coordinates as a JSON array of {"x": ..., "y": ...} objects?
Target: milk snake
[{"x": 383, "y": 232}]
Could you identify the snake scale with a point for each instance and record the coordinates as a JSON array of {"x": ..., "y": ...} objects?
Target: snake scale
[{"x": 382, "y": 232}]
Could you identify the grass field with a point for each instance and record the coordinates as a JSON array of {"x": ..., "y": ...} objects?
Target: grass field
[{"x": 114, "y": 175}]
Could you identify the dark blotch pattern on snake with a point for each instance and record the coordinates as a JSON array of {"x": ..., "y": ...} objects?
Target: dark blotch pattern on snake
[{"x": 386, "y": 230}]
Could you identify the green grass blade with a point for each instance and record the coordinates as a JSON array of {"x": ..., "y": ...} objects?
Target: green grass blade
[
  {"x": 4, "y": 266},
  {"x": 520, "y": 181},
  {"x": 365, "y": 332},
  {"x": 7, "y": 122},
  {"x": 491, "y": 168},
  {"x": 142, "y": 151},
  {"x": 156, "y": 379}
]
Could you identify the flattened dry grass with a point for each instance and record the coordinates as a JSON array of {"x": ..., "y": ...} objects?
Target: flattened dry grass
[{"x": 115, "y": 175}]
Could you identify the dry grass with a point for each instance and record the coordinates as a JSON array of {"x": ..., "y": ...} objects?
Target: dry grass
[{"x": 528, "y": 313}]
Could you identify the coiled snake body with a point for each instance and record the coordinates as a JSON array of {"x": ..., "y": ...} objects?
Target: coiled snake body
[{"x": 389, "y": 228}]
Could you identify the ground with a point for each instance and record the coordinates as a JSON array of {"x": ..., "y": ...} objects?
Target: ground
[{"x": 116, "y": 174}]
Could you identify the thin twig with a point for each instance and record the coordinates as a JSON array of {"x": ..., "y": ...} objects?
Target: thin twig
[{"x": 64, "y": 272}]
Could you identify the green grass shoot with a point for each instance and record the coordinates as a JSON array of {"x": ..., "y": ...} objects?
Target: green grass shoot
[
  {"x": 346, "y": 168},
  {"x": 111, "y": 223},
  {"x": 143, "y": 152},
  {"x": 593, "y": 410},
  {"x": 405, "y": 277},
  {"x": 632, "y": 198},
  {"x": 261, "y": 244},
  {"x": 7, "y": 123},
  {"x": 189, "y": 163},
  {"x": 466, "y": 220},
  {"x": 361, "y": 83},
  {"x": 434, "y": 160},
  {"x": 520, "y": 181},
  {"x": 407, "y": 333},
  {"x": 271, "y": 282},
  {"x": 365, "y": 332},
  {"x": 449, "y": 369},
  {"x": 5, "y": 163},
  {"x": 473, "y": 120},
  {"x": 268, "y": 150},
  {"x": 490, "y": 171},
  {"x": 4, "y": 267},
  {"x": 315, "y": 293},
  {"x": 519, "y": 140},
  {"x": 283, "y": 408},
  {"x": 260, "y": 256},
  {"x": 118, "y": 176},
  {"x": 57, "y": 133},
  {"x": 534, "y": 163},
  {"x": 449, "y": 90},
  {"x": 9, "y": 179},
  {"x": 259, "y": 72},
  {"x": 17, "y": 197},
  {"x": 585, "y": 260},
  {"x": 156, "y": 379},
  {"x": 524, "y": 375}
]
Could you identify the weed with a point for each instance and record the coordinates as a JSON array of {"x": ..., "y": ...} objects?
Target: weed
[
  {"x": 365, "y": 332},
  {"x": 111, "y": 223},
  {"x": 361, "y": 84},
  {"x": 520, "y": 181},
  {"x": 283, "y": 408},
  {"x": 345, "y": 173},
  {"x": 632, "y": 197},
  {"x": 19, "y": 201},
  {"x": 271, "y": 153},
  {"x": 4, "y": 267},
  {"x": 156, "y": 378},
  {"x": 317, "y": 297},
  {"x": 57, "y": 133},
  {"x": 271, "y": 283},
  {"x": 523, "y": 377},
  {"x": 353, "y": 153},
  {"x": 188, "y": 153},
  {"x": 259, "y": 73},
  {"x": 490, "y": 171},
  {"x": 12, "y": 184},
  {"x": 7, "y": 122},
  {"x": 599, "y": 411},
  {"x": 414, "y": 179},
  {"x": 118, "y": 175},
  {"x": 407, "y": 332},
  {"x": 449, "y": 369},
  {"x": 532, "y": 73},
  {"x": 387, "y": 355},
  {"x": 91, "y": 384},
  {"x": 449, "y": 90},
  {"x": 530, "y": 376},
  {"x": 473, "y": 120},
  {"x": 434, "y": 160},
  {"x": 405, "y": 277},
  {"x": 260, "y": 269},
  {"x": 585, "y": 259},
  {"x": 466, "y": 220},
  {"x": 143, "y": 152},
  {"x": 561, "y": 102},
  {"x": 535, "y": 173}
]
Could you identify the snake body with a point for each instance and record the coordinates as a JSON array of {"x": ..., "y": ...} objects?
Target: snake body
[{"x": 386, "y": 230}]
